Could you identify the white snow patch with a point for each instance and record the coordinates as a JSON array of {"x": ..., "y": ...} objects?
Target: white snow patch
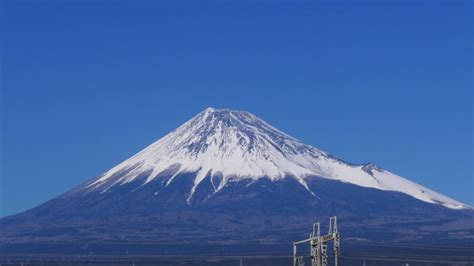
[{"x": 239, "y": 145}]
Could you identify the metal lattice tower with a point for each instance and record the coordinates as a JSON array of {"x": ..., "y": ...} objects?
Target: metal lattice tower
[{"x": 319, "y": 245}]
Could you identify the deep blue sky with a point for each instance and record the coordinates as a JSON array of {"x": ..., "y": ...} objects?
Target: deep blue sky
[{"x": 87, "y": 84}]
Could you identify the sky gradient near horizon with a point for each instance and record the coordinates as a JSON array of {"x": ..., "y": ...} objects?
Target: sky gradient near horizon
[{"x": 86, "y": 84}]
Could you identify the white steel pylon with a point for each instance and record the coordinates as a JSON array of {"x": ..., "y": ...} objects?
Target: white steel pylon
[{"x": 319, "y": 245}]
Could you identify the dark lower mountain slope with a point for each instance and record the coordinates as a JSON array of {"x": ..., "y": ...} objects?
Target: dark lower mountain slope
[{"x": 248, "y": 212}]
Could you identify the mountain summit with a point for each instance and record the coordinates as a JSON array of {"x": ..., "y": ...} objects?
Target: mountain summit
[{"x": 229, "y": 145}]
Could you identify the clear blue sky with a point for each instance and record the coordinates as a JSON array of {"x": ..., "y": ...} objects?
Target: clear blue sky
[{"x": 86, "y": 84}]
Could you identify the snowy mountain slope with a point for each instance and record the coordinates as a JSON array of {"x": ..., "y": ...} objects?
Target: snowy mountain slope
[{"x": 236, "y": 145}]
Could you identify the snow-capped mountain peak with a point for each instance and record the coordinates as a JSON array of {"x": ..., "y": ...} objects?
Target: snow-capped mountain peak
[{"x": 238, "y": 145}]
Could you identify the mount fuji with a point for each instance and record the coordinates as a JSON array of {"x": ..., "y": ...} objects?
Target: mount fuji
[
  {"x": 229, "y": 178},
  {"x": 231, "y": 146}
]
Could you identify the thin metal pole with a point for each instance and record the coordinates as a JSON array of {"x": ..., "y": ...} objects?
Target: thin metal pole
[{"x": 294, "y": 254}]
